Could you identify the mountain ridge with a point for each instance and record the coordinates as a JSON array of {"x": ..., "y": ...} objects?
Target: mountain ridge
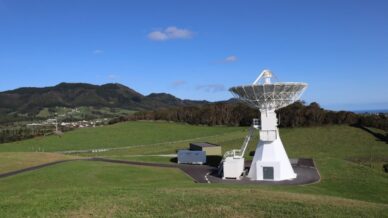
[{"x": 114, "y": 95}]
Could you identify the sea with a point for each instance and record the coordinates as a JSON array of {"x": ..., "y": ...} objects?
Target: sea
[{"x": 377, "y": 111}]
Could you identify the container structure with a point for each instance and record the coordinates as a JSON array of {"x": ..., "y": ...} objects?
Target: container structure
[
  {"x": 210, "y": 149},
  {"x": 191, "y": 157}
]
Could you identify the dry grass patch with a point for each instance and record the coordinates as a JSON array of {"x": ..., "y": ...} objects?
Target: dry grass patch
[{"x": 10, "y": 161}]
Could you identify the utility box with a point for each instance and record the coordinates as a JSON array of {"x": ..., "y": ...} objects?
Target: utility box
[
  {"x": 233, "y": 168},
  {"x": 210, "y": 149},
  {"x": 191, "y": 157}
]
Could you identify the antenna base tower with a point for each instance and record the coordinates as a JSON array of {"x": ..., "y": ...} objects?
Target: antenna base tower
[{"x": 271, "y": 162}]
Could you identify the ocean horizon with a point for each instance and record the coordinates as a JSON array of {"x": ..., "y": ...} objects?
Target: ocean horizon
[{"x": 370, "y": 111}]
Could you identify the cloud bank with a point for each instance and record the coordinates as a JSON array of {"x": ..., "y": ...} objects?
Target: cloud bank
[
  {"x": 170, "y": 33},
  {"x": 178, "y": 83},
  {"x": 212, "y": 88},
  {"x": 98, "y": 51},
  {"x": 230, "y": 59}
]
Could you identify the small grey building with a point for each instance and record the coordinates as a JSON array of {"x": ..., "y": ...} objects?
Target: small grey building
[
  {"x": 210, "y": 149},
  {"x": 191, "y": 157}
]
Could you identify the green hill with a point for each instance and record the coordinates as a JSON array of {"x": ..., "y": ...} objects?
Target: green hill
[{"x": 32, "y": 100}]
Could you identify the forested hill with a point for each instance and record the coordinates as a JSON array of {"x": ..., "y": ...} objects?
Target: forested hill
[
  {"x": 31, "y": 100},
  {"x": 235, "y": 114},
  {"x": 14, "y": 104}
]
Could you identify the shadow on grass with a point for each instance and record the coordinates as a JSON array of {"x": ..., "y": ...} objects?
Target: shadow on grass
[
  {"x": 213, "y": 161},
  {"x": 378, "y": 136},
  {"x": 174, "y": 160}
]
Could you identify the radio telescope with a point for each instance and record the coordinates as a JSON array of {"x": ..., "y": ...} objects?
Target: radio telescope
[{"x": 270, "y": 161}]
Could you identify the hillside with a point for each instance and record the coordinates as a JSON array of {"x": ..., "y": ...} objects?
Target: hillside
[{"x": 32, "y": 100}]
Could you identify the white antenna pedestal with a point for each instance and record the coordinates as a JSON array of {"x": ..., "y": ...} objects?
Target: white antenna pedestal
[{"x": 271, "y": 162}]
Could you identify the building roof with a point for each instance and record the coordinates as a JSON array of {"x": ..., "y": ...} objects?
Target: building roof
[{"x": 204, "y": 144}]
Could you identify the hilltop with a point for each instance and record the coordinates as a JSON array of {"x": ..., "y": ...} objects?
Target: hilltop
[{"x": 113, "y": 95}]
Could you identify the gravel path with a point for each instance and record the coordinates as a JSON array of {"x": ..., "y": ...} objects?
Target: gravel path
[{"x": 16, "y": 172}]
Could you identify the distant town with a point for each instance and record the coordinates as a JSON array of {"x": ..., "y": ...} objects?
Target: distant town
[{"x": 75, "y": 124}]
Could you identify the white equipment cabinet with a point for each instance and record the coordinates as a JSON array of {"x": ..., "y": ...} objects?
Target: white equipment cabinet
[
  {"x": 233, "y": 164},
  {"x": 233, "y": 168}
]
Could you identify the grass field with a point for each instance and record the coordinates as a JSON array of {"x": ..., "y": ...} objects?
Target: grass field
[
  {"x": 349, "y": 187},
  {"x": 118, "y": 135},
  {"x": 11, "y": 161},
  {"x": 88, "y": 189}
]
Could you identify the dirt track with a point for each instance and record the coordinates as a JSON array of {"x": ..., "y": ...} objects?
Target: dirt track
[{"x": 13, "y": 173}]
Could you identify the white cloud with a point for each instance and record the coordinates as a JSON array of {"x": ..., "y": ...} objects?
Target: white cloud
[
  {"x": 171, "y": 32},
  {"x": 157, "y": 36},
  {"x": 213, "y": 88},
  {"x": 112, "y": 76},
  {"x": 178, "y": 83},
  {"x": 98, "y": 51},
  {"x": 176, "y": 33},
  {"x": 230, "y": 59}
]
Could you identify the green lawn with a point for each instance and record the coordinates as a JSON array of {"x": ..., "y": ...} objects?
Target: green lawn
[
  {"x": 92, "y": 189},
  {"x": 118, "y": 135},
  {"x": 229, "y": 140},
  {"x": 11, "y": 161},
  {"x": 349, "y": 187},
  {"x": 333, "y": 149}
]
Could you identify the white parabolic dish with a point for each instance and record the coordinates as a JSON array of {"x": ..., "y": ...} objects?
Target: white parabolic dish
[{"x": 271, "y": 96}]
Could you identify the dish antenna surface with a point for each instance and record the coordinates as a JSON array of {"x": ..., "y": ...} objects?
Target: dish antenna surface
[{"x": 270, "y": 161}]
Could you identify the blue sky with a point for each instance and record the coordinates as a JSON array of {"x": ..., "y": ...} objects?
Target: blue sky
[{"x": 198, "y": 49}]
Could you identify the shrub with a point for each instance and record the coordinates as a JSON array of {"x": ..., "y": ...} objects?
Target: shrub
[{"x": 385, "y": 167}]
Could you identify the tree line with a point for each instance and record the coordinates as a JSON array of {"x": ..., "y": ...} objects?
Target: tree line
[
  {"x": 21, "y": 133},
  {"x": 236, "y": 114},
  {"x": 231, "y": 114}
]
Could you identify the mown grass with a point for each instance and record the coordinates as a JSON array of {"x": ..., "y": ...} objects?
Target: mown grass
[
  {"x": 340, "y": 142},
  {"x": 11, "y": 161},
  {"x": 332, "y": 148},
  {"x": 94, "y": 189},
  {"x": 118, "y": 135},
  {"x": 348, "y": 188},
  {"x": 228, "y": 140}
]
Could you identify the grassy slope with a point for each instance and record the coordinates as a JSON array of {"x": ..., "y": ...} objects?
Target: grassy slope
[
  {"x": 332, "y": 148},
  {"x": 87, "y": 189},
  {"x": 118, "y": 135},
  {"x": 10, "y": 161},
  {"x": 228, "y": 140}
]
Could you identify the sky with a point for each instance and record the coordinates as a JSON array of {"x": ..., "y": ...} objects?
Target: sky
[{"x": 198, "y": 49}]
